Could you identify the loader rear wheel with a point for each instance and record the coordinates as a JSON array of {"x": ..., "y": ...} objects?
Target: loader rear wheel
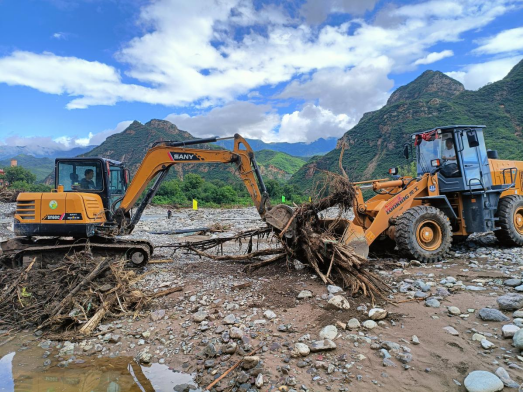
[
  {"x": 423, "y": 233},
  {"x": 510, "y": 213}
]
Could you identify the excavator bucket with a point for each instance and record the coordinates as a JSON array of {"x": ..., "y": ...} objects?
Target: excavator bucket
[
  {"x": 278, "y": 217},
  {"x": 354, "y": 236}
]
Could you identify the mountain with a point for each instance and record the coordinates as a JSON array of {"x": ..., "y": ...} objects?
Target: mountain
[
  {"x": 131, "y": 145},
  {"x": 41, "y": 166},
  {"x": 299, "y": 149},
  {"x": 433, "y": 99},
  {"x": 7, "y": 152},
  {"x": 278, "y": 165}
]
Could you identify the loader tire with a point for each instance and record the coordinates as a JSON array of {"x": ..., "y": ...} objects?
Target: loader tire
[
  {"x": 423, "y": 233},
  {"x": 510, "y": 213}
]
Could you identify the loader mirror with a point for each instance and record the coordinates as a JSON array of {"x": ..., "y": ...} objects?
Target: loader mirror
[
  {"x": 435, "y": 163},
  {"x": 406, "y": 151},
  {"x": 393, "y": 171},
  {"x": 472, "y": 137}
]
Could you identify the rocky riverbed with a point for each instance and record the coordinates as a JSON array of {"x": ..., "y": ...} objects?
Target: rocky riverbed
[{"x": 449, "y": 326}]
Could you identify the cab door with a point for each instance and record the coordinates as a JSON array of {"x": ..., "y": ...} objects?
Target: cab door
[{"x": 470, "y": 162}]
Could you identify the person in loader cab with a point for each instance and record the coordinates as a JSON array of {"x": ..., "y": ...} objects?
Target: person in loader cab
[
  {"x": 87, "y": 182},
  {"x": 450, "y": 166}
]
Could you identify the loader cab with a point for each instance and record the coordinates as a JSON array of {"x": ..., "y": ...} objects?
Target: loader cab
[
  {"x": 458, "y": 154},
  {"x": 101, "y": 176}
]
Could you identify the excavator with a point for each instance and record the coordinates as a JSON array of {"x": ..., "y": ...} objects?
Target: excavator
[
  {"x": 92, "y": 202},
  {"x": 459, "y": 188}
]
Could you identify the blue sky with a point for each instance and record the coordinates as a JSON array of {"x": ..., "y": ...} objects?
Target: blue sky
[{"x": 73, "y": 72}]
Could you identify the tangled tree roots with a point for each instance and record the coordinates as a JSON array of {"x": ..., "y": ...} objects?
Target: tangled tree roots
[
  {"x": 317, "y": 243},
  {"x": 73, "y": 295}
]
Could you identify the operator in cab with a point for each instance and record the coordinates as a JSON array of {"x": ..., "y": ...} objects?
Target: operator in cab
[
  {"x": 450, "y": 165},
  {"x": 87, "y": 182}
]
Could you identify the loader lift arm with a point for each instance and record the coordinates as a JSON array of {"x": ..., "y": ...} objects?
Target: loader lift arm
[{"x": 163, "y": 155}]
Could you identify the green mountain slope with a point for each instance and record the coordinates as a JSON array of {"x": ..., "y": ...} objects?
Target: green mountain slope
[
  {"x": 433, "y": 99},
  {"x": 131, "y": 145},
  {"x": 41, "y": 167}
]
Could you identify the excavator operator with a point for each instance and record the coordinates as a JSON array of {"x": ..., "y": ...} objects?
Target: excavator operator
[
  {"x": 450, "y": 166},
  {"x": 87, "y": 182}
]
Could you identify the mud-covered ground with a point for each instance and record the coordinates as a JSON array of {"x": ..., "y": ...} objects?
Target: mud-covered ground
[{"x": 420, "y": 345}]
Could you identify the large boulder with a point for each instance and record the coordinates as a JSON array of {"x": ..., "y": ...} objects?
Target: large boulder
[
  {"x": 483, "y": 381},
  {"x": 518, "y": 339},
  {"x": 491, "y": 314},
  {"x": 510, "y": 301}
]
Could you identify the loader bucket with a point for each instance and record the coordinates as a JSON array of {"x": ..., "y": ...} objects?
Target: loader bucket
[{"x": 354, "y": 236}]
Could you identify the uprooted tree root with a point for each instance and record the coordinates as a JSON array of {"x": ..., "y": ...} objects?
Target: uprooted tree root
[
  {"x": 315, "y": 243},
  {"x": 74, "y": 295}
]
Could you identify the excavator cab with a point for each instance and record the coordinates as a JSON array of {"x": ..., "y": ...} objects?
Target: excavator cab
[{"x": 101, "y": 176}]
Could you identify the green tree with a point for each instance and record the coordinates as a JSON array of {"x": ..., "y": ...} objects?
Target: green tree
[
  {"x": 191, "y": 185},
  {"x": 24, "y": 186},
  {"x": 17, "y": 173},
  {"x": 226, "y": 195},
  {"x": 274, "y": 188}
]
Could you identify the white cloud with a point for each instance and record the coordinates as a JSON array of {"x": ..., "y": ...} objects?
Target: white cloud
[
  {"x": 434, "y": 56},
  {"x": 506, "y": 41},
  {"x": 100, "y": 137},
  {"x": 245, "y": 118},
  {"x": 474, "y": 76},
  {"x": 353, "y": 92},
  {"x": 59, "y": 36},
  {"x": 191, "y": 53},
  {"x": 313, "y": 122}
]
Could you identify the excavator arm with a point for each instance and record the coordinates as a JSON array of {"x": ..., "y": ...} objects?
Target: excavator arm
[{"x": 163, "y": 155}]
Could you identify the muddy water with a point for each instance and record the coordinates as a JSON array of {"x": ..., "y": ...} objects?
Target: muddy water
[{"x": 18, "y": 373}]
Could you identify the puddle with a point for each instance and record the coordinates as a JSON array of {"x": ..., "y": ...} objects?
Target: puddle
[{"x": 18, "y": 374}]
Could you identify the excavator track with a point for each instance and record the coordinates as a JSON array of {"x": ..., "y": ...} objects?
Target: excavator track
[{"x": 18, "y": 252}]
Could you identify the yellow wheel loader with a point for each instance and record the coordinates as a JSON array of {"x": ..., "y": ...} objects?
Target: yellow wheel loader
[
  {"x": 92, "y": 202},
  {"x": 460, "y": 188}
]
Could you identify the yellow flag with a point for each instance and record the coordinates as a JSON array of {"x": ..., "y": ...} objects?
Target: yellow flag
[{"x": 194, "y": 204}]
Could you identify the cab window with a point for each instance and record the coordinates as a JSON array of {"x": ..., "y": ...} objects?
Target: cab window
[
  {"x": 80, "y": 176},
  {"x": 117, "y": 181}
]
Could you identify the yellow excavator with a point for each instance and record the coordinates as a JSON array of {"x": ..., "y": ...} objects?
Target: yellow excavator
[
  {"x": 92, "y": 202},
  {"x": 460, "y": 188}
]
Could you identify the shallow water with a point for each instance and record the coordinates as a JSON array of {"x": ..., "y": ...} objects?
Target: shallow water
[{"x": 19, "y": 373}]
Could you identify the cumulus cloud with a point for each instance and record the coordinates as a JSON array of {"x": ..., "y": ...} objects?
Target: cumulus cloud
[
  {"x": 506, "y": 41},
  {"x": 474, "y": 76},
  {"x": 353, "y": 92},
  {"x": 434, "y": 56},
  {"x": 311, "y": 123},
  {"x": 245, "y": 118}
]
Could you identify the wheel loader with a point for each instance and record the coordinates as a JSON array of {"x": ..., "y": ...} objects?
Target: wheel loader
[
  {"x": 460, "y": 188},
  {"x": 91, "y": 204}
]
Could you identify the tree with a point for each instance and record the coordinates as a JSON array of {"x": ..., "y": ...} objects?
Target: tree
[
  {"x": 18, "y": 173},
  {"x": 24, "y": 186},
  {"x": 274, "y": 188},
  {"x": 226, "y": 195}
]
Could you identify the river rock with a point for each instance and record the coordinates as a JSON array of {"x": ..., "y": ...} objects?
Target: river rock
[
  {"x": 510, "y": 301},
  {"x": 369, "y": 324},
  {"x": 334, "y": 289},
  {"x": 491, "y": 314},
  {"x": 505, "y": 378},
  {"x": 157, "y": 315},
  {"x": 304, "y": 294},
  {"x": 329, "y": 331},
  {"x": 199, "y": 316},
  {"x": 322, "y": 345},
  {"x": 301, "y": 349},
  {"x": 269, "y": 314},
  {"x": 454, "y": 310},
  {"x": 451, "y": 330},
  {"x": 512, "y": 282},
  {"x": 431, "y": 302},
  {"x": 518, "y": 339},
  {"x": 486, "y": 344},
  {"x": 483, "y": 381},
  {"x": 353, "y": 324},
  {"x": 250, "y": 362},
  {"x": 236, "y": 332},
  {"x": 229, "y": 319},
  {"x": 340, "y": 302},
  {"x": 377, "y": 313},
  {"x": 508, "y": 331}
]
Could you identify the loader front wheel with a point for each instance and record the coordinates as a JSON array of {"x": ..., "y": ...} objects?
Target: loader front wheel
[
  {"x": 423, "y": 233},
  {"x": 510, "y": 213}
]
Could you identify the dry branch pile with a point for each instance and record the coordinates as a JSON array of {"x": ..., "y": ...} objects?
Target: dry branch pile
[{"x": 74, "y": 294}]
